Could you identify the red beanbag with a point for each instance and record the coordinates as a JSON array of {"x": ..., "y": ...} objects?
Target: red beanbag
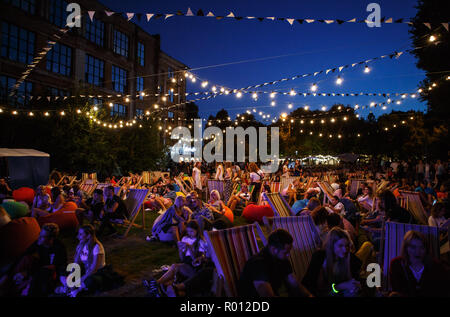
[
  {"x": 16, "y": 237},
  {"x": 66, "y": 220},
  {"x": 229, "y": 214},
  {"x": 254, "y": 212},
  {"x": 69, "y": 206},
  {"x": 24, "y": 194}
]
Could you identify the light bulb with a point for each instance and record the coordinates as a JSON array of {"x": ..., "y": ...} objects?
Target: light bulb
[
  {"x": 339, "y": 80},
  {"x": 367, "y": 69},
  {"x": 314, "y": 87}
]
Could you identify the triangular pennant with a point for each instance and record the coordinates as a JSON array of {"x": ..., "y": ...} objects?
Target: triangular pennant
[
  {"x": 388, "y": 20},
  {"x": 91, "y": 15},
  {"x": 340, "y": 68},
  {"x": 271, "y": 18},
  {"x": 250, "y": 18},
  {"x": 428, "y": 25},
  {"x": 49, "y": 98},
  {"x": 168, "y": 16},
  {"x": 231, "y": 15},
  {"x": 309, "y": 20},
  {"x": 65, "y": 98},
  {"x": 329, "y": 21},
  {"x": 328, "y": 70},
  {"x": 291, "y": 21},
  {"x": 352, "y": 20},
  {"x": 149, "y": 16},
  {"x": 39, "y": 97},
  {"x": 109, "y": 13},
  {"x": 445, "y": 26},
  {"x": 210, "y": 14},
  {"x": 56, "y": 98},
  {"x": 189, "y": 13},
  {"x": 31, "y": 97},
  {"x": 316, "y": 73},
  {"x": 130, "y": 15}
]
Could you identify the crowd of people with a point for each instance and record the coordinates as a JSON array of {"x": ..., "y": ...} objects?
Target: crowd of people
[{"x": 349, "y": 224}]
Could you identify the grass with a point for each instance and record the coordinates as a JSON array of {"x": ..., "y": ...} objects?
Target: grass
[{"x": 133, "y": 257}]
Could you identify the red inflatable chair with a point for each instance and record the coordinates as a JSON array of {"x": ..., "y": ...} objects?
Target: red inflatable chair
[
  {"x": 24, "y": 194},
  {"x": 254, "y": 212},
  {"x": 229, "y": 214},
  {"x": 65, "y": 218},
  {"x": 16, "y": 237}
]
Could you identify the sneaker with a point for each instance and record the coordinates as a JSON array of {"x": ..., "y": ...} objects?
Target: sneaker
[{"x": 152, "y": 287}]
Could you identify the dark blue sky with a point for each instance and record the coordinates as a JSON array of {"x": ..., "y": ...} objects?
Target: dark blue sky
[{"x": 200, "y": 41}]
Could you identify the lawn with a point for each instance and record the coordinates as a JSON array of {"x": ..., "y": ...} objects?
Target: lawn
[{"x": 133, "y": 257}]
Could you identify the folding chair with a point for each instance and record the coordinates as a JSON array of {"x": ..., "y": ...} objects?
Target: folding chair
[
  {"x": 230, "y": 249},
  {"x": 327, "y": 191},
  {"x": 214, "y": 184},
  {"x": 88, "y": 186},
  {"x": 415, "y": 207},
  {"x": 306, "y": 240},
  {"x": 279, "y": 205},
  {"x": 286, "y": 181},
  {"x": 146, "y": 177},
  {"x": 392, "y": 239},
  {"x": 135, "y": 203}
]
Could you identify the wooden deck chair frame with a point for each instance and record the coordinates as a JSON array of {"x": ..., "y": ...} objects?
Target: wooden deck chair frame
[
  {"x": 305, "y": 243},
  {"x": 327, "y": 191},
  {"x": 138, "y": 195},
  {"x": 180, "y": 184},
  {"x": 279, "y": 205},
  {"x": 91, "y": 188},
  {"x": 391, "y": 242},
  {"x": 415, "y": 207},
  {"x": 230, "y": 249}
]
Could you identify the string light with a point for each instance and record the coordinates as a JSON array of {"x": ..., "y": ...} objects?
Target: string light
[
  {"x": 272, "y": 95},
  {"x": 290, "y": 106},
  {"x": 255, "y": 95},
  {"x": 273, "y": 103},
  {"x": 306, "y": 108},
  {"x": 238, "y": 94},
  {"x": 314, "y": 87},
  {"x": 339, "y": 80},
  {"x": 63, "y": 113},
  {"x": 292, "y": 92},
  {"x": 432, "y": 38},
  {"x": 366, "y": 69}
]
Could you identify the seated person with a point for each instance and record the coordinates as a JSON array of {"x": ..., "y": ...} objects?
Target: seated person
[
  {"x": 313, "y": 203},
  {"x": 242, "y": 197},
  {"x": 90, "y": 255},
  {"x": 5, "y": 191},
  {"x": 114, "y": 209},
  {"x": 193, "y": 255},
  {"x": 366, "y": 200},
  {"x": 262, "y": 200},
  {"x": 38, "y": 270},
  {"x": 437, "y": 217},
  {"x": 42, "y": 199},
  {"x": 319, "y": 216},
  {"x": 171, "y": 223},
  {"x": 265, "y": 272},
  {"x": 299, "y": 205},
  {"x": 334, "y": 270},
  {"x": 92, "y": 208},
  {"x": 201, "y": 214},
  {"x": 215, "y": 204},
  {"x": 335, "y": 206},
  {"x": 415, "y": 273},
  {"x": 58, "y": 202}
]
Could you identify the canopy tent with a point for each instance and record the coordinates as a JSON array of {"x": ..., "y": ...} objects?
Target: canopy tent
[
  {"x": 348, "y": 157},
  {"x": 25, "y": 167}
]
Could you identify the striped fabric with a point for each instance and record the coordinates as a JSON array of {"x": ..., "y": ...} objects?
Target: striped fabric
[
  {"x": 134, "y": 201},
  {"x": 354, "y": 186},
  {"x": 214, "y": 184},
  {"x": 279, "y": 205},
  {"x": 306, "y": 241},
  {"x": 85, "y": 176},
  {"x": 415, "y": 207},
  {"x": 146, "y": 177},
  {"x": 382, "y": 186},
  {"x": 286, "y": 181},
  {"x": 327, "y": 191},
  {"x": 180, "y": 184},
  {"x": 117, "y": 190},
  {"x": 88, "y": 188},
  {"x": 392, "y": 242},
  {"x": 274, "y": 187},
  {"x": 102, "y": 186},
  {"x": 230, "y": 249}
]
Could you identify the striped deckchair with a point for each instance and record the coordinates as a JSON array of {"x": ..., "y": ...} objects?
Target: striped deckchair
[
  {"x": 146, "y": 177},
  {"x": 214, "y": 184},
  {"x": 327, "y": 191},
  {"x": 286, "y": 181},
  {"x": 306, "y": 240},
  {"x": 85, "y": 176},
  {"x": 88, "y": 186},
  {"x": 354, "y": 186},
  {"x": 279, "y": 205},
  {"x": 414, "y": 206},
  {"x": 381, "y": 187},
  {"x": 230, "y": 249},
  {"x": 134, "y": 203},
  {"x": 180, "y": 184},
  {"x": 392, "y": 239}
]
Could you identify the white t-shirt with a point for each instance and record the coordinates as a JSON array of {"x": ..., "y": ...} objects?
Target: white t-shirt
[
  {"x": 219, "y": 173},
  {"x": 196, "y": 175},
  {"x": 367, "y": 200},
  {"x": 202, "y": 246},
  {"x": 436, "y": 222},
  {"x": 98, "y": 250},
  {"x": 255, "y": 178}
]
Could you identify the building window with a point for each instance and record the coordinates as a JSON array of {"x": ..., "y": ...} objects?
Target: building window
[
  {"x": 170, "y": 114},
  {"x": 140, "y": 86},
  {"x": 120, "y": 43},
  {"x": 96, "y": 102},
  {"x": 26, "y": 5},
  {"x": 22, "y": 95},
  {"x": 57, "y": 12},
  {"x": 119, "y": 79},
  {"x": 17, "y": 43},
  {"x": 170, "y": 72},
  {"x": 58, "y": 92},
  {"x": 94, "y": 71},
  {"x": 139, "y": 112},
  {"x": 170, "y": 92},
  {"x": 59, "y": 60},
  {"x": 141, "y": 53},
  {"x": 94, "y": 31},
  {"x": 119, "y": 110}
]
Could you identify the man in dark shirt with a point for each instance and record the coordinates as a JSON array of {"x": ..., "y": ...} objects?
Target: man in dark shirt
[
  {"x": 92, "y": 207},
  {"x": 265, "y": 272},
  {"x": 38, "y": 271},
  {"x": 114, "y": 209}
]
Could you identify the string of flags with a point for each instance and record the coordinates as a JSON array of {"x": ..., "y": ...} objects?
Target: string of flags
[
  {"x": 50, "y": 43},
  {"x": 231, "y": 15}
]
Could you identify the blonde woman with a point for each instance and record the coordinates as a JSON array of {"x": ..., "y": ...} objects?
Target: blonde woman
[
  {"x": 256, "y": 178},
  {"x": 334, "y": 270}
]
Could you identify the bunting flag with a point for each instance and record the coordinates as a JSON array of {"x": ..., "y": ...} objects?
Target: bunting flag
[
  {"x": 168, "y": 16},
  {"x": 130, "y": 16},
  {"x": 189, "y": 13},
  {"x": 91, "y": 15},
  {"x": 291, "y": 21},
  {"x": 149, "y": 16},
  {"x": 109, "y": 13},
  {"x": 445, "y": 26}
]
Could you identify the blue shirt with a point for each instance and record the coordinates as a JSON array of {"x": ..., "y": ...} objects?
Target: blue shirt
[{"x": 299, "y": 205}]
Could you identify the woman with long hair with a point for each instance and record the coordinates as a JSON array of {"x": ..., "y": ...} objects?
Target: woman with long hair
[
  {"x": 334, "y": 270},
  {"x": 415, "y": 273},
  {"x": 58, "y": 202},
  {"x": 256, "y": 178},
  {"x": 171, "y": 223}
]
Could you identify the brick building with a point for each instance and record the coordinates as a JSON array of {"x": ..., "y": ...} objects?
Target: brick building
[{"x": 106, "y": 56}]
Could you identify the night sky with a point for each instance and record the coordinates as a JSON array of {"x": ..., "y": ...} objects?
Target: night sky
[{"x": 201, "y": 41}]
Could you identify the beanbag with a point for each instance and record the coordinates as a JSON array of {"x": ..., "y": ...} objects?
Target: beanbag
[
  {"x": 69, "y": 206},
  {"x": 66, "y": 220},
  {"x": 16, "y": 237},
  {"x": 15, "y": 209},
  {"x": 254, "y": 212},
  {"x": 24, "y": 194},
  {"x": 229, "y": 214}
]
